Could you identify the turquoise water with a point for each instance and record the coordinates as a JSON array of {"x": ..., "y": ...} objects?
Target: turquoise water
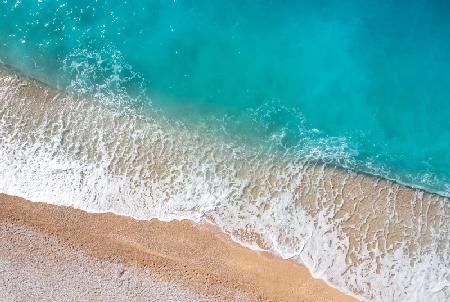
[
  {"x": 361, "y": 84},
  {"x": 226, "y": 111}
]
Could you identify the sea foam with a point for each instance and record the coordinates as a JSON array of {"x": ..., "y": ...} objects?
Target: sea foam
[{"x": 368, "y": 237}]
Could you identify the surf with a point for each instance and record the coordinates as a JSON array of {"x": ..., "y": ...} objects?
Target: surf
[{"x": 347, "y": 228}]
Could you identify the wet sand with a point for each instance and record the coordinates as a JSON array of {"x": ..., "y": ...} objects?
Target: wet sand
[{"x": 50, "y": 252}]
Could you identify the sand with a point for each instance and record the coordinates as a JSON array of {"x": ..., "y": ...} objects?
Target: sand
[{"x": 55, "y": 253}]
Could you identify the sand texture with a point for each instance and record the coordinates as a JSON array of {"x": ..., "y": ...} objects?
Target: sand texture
[{"x": 54, "y": 253}]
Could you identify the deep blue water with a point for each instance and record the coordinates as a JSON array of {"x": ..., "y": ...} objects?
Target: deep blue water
[{"x": 362, "y": 84}]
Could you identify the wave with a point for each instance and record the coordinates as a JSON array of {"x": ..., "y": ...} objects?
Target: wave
[{"x": 369, "y": 237}]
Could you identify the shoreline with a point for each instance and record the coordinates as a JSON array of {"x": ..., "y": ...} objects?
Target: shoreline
[
  {"x": 363, "y": 221},
  {"x": 198, "y": 256},
  {"x": 8, "y": 69}
]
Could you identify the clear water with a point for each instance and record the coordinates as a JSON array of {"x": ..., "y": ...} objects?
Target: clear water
[
  {"x": 238, "y": 113},
  {"x": 371, "y": 78}
]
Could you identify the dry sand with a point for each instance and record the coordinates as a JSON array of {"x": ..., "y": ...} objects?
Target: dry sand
[{"x": 54, "y": 253}]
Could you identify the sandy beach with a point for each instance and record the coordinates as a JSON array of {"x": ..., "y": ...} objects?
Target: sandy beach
[{"x": 51, "y": 253}]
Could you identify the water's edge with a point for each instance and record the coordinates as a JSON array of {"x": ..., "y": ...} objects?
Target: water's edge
[{"x": 346, "y": 227}]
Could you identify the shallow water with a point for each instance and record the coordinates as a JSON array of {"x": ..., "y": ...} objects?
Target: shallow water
[
  {"x": 368, "y": 80},
  {"x": 258, "y": 116}
]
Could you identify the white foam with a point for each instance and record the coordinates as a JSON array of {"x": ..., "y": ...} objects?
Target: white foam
[{"x": 370, "y": 238}]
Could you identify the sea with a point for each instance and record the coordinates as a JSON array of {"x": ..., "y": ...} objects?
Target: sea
[{"x": 316, "y": 130}]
